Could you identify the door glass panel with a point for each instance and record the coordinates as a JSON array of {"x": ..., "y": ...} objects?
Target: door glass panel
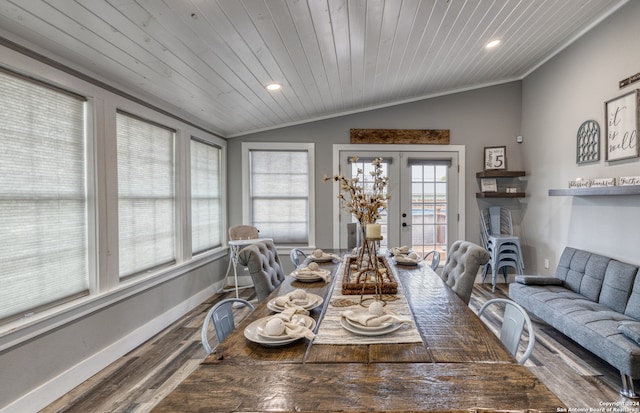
[
  {"x": 429, "y": 198},
  {"x": 362, "y": 169}
]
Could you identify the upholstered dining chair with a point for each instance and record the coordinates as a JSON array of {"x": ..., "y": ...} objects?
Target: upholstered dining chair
[
  {"x": 513, "y": 322},
  {"x": 221, "y": 315},
  {"x": 264, "y": 266},
  {"x": 464, "y": 259},
  {"x": 239, "y": 232}
]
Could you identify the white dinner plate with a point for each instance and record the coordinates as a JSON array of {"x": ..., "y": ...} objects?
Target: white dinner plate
[
  {"x": 251, "y": 334},
  {"x": 357, "y": 330},
  {"x": 314, "y": 301},
  {"x": 306, "y": 321}
]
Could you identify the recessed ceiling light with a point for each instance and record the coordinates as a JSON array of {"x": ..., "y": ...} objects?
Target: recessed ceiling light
[
  {"x": 492, "y": 44},
  {"x": 274, "y": 86}
]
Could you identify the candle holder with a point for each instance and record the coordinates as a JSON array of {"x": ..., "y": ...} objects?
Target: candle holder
[{"x": 370, "y": 270}]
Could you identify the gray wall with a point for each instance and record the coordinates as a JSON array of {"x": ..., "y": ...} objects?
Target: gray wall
[
  {"x": 557, "y": 98},
  {"x": 483, "y": 117},
  {"x": 35, "y": 362}
]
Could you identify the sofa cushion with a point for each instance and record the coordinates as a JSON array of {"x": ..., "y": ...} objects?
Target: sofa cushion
[
  {"x": 616, "y": 287},
  {"x": 582, "y": 271},
  {"x": 633, "y": 304}
]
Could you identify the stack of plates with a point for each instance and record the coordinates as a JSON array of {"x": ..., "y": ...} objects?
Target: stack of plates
[
  {"x": 306, "y": 275},
  {"x": 314, "y": 301},
  {"x": 324, "y": 258},
  {"x": 256, "y": 332},
  {"x": 357, "y": 328}
]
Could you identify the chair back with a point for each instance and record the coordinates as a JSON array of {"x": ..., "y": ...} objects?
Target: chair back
[
  {"x": 435, "y": 259},
  {"x": 239, "y": 232},
  {"x": 221, "y": 315},
  {"x": 295, "y": 256},
  {"x": 264, "y": 266},
  {"x": 460, "y": 270},
  {"x": 513, "y": 322},
  {"x": 500, "y": 222}
]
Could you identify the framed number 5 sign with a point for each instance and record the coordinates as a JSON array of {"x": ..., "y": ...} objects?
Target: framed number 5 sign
[{"x": 495, "y": 157}]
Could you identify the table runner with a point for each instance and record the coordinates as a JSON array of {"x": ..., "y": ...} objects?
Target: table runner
[{"x": 331, "y": 332}]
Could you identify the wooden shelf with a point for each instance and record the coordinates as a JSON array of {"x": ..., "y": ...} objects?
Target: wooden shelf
[
  {"x": 606, "y": 191},
  {"x": 500, "y": 174},
  {"x": 500, "y": 195}
]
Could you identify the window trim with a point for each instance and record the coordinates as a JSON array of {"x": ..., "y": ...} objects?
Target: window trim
[
  {"x": 247, "y": 147},
  {"x": 106, "y": 289}
]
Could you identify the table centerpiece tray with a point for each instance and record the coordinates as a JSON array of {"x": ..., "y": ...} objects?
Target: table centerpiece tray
[{"x": 356, "y": 282}]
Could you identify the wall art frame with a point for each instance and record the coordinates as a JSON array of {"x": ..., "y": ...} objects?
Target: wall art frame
[
  {"x": 495, "y": 158},
  {"x": 588, "y": 142},
  {"x": 621, "y": 126}
]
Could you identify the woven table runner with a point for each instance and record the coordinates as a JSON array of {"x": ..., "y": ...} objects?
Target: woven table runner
[{"x": 332, "y": 332}]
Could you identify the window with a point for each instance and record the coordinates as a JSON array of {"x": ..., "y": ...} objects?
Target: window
[
  {"x": 206, "y": 208},
  {"x": 361, "y": 168},
  {"x": 43, "y": 201},
  {"x": 146, "y": 195},
  {"x": 280, "y": 188}
]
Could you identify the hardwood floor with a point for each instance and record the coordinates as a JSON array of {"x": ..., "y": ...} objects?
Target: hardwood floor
[{"x": 140, "y": 379}]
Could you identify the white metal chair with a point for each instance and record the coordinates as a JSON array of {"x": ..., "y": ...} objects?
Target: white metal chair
[
  {"x": 295, "y": 256},
  {"x": 435, "y": 259},
  {"x": 496, "y": 232},
  {"x": 221, "y": 315},
  {"x": 515, "y": 317}
]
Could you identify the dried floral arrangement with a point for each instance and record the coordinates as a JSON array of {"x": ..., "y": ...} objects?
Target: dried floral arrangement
[{"x": 365, "y": 200}]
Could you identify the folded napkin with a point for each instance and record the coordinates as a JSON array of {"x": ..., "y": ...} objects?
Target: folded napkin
[
  {"x": 287, "y": 301},
  {"x": 404, "y": 259},
  {"x": 370, "y": 320},
  {"x": 400, "y": 250},
  {"x": 292, "y": 327},
  {"x": 324, "y": 274}
]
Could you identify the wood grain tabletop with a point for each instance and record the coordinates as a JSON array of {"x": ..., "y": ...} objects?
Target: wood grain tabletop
[{"x": 460, "y": 366}]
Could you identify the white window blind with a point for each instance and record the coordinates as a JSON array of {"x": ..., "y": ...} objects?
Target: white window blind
[
  {"x": 146, "y": 195},
  {"x": 206, "y": 209},
  {"x": 279, "y": 187},
  {"x": 43, "y": 203}
]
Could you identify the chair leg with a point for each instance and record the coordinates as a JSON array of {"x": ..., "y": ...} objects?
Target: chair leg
[
  {"x": 628, "y": 389},
  {"x": 505, "y": 273}
]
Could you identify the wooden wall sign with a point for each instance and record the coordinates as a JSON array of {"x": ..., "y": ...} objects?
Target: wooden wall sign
[{"x": 398, "y": 136}]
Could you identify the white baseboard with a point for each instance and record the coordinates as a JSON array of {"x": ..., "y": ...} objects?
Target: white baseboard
[{"x": 49, "y": 392}]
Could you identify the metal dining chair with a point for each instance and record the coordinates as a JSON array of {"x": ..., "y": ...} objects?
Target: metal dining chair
[
  {"x": 221, "y": 315},
  {"x": 295, "y": 256},
  {"x": 435, "y": 259},
  {"x": 515, "y": 317}
]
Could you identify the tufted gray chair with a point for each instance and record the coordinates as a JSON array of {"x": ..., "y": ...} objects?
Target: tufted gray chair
[
  {"x": 463, "y": 261},
  {"x": 264, "y": 266}
]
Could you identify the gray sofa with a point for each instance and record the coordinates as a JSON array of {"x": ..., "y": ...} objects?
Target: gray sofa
[{"x": 595, "y": 301}]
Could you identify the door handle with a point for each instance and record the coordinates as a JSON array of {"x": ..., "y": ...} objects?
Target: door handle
[{"x": 404, "y": 224}]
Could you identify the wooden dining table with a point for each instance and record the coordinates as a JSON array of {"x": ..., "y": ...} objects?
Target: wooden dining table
[{"x": 460, "y": 365}]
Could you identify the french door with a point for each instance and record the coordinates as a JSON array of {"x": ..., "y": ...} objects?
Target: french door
[{"x": 424, "y": 208}]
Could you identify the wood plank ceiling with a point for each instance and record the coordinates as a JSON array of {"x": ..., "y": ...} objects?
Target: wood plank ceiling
[{"x": 209, "y": 60}]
